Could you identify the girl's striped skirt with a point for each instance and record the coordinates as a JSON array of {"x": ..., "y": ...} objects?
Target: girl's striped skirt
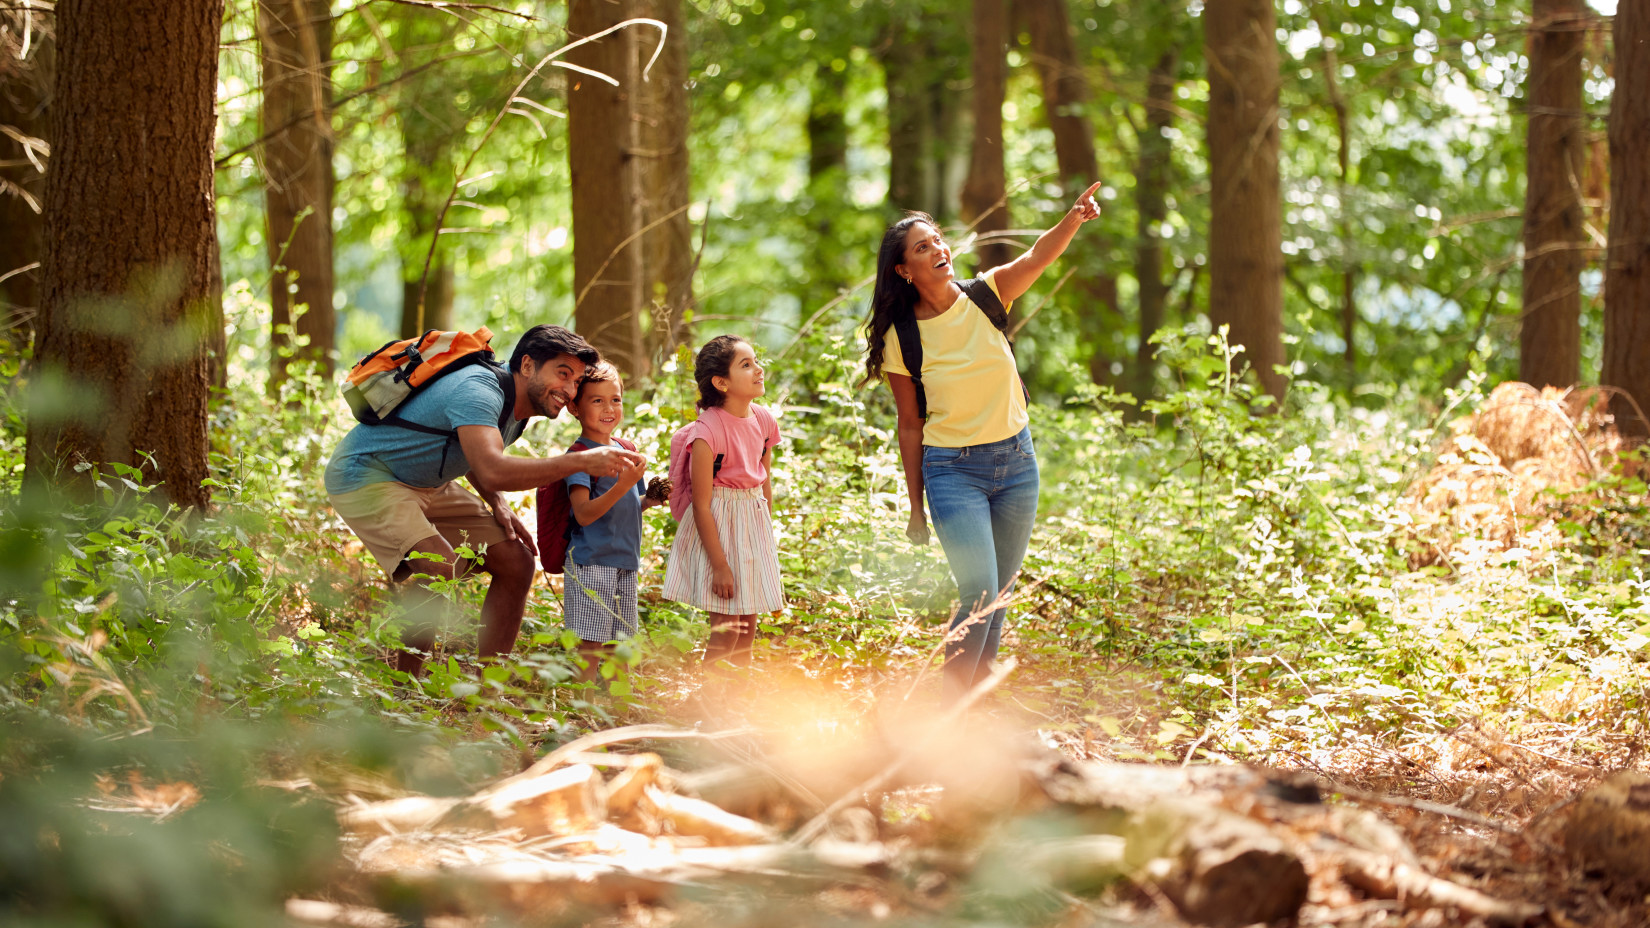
[{"x": 746, "y": 533}]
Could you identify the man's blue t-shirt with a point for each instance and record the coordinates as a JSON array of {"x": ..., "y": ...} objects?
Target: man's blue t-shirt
[
  {"x": 383, "y": 453},
  {"x": 614, "y": 540}
]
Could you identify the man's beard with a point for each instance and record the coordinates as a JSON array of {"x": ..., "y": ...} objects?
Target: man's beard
[{"x": 542, "y": 403}]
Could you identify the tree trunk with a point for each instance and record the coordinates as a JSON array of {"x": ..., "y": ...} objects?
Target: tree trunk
[
  {"x": 1245, "y": 212},
  {"x": 295, "y": 38},
  {"x": 1627, "y": 265},
  {"x": 129, "y": 225},
  {"x": 25, "y": 91},
  {"x": 827, "y": 184},
  {"x": 607, "y": 266},
  {"x": 907, "y": 121},
  {"x": 984, "y": 196},
  {"x": 430, "y": 122},
  {"x": 662, "y": 128},
  {"x": 1343, "y": 182},
  {"x": 1065, "y": 94},
  {"x": 1549, "y": 336},
  {"x": 1151, "y": 185}
]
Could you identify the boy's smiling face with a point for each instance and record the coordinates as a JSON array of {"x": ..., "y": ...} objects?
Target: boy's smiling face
[{"x": 600, "y": 409}]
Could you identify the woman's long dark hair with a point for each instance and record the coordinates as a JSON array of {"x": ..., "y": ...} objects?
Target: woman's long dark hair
[{"x": 894, "y": 296}]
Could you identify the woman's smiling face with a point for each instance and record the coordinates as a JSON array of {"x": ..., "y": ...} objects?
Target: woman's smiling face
[{"x": 927, "y": 256}]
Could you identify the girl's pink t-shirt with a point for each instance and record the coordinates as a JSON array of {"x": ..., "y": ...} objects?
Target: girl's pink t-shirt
[{"x": 745, "y": 442}]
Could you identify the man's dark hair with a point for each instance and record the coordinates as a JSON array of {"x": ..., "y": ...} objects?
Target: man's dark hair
[{"x": 543, "y": 343}]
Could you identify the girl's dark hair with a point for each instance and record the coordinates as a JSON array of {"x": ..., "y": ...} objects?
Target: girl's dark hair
[
  {"x": 714, "y": 360},
  {"x": 894, "y": 296}
]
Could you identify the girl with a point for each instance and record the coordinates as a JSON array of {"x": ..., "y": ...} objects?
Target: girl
[
  {"x": 724, "y": 560},
  {"x": 973, "y": 452}
]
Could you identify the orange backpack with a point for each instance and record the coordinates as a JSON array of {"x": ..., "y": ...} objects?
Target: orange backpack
[{"x": 380, "y": 382}]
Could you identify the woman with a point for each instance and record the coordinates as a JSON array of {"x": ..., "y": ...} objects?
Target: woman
[{"x": 973, "y": 451}]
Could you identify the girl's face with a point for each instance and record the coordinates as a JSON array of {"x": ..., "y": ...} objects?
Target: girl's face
[
  {"x": 744, "y": 377},
  {"x": 927, "y": 258},
  {"x": 600, "y": 408}
]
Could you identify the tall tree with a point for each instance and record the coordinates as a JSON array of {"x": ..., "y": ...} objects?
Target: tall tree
[
  {"x": 132, "y": 125},
  {"x": 1343, "y": 188},
  {"x": 1627, "y": 265},
  {"x": 431, "y": 123},
  {"x": 1549, "y": 338},
  {"x": 662, "y": 142},
  {"x": 923, "y": 65},
  {"x": 607, "y": 263},
  {"x": 1151, "y": 186},
  {"x": 827, "y": 127},
  {"x": 1065, "y": 96},
  {"x": 1245, "y": 210},
  {"x": 27, "y": 61},
  {"x": 985, "y": 194},
  {"x": 295, "y": 40}
]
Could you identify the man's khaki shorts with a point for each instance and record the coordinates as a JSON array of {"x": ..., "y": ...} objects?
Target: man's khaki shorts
[{"x": 390, "y": 518}]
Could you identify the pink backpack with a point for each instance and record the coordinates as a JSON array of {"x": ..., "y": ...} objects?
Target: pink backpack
[{"x": 681, "y": 455}]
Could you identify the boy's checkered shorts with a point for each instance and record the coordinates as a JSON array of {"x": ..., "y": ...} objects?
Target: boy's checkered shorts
[{"x": 599, "y": 603}]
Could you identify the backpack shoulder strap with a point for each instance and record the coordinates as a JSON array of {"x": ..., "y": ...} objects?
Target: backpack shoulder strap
[
  {"x": 980, "y": 293},
  {"x": 507, "y": 383},
  {"x": 910, "y": 350},
  {"x": 625, "y": 443}
]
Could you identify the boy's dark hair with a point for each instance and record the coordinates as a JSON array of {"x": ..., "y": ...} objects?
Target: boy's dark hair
[
  {"x": 714, "y": 360},
  {"x": 600, "y": 372},
  {"x": 543, "y": 343}
]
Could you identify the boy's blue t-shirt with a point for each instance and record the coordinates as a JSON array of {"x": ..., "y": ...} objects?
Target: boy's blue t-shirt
[
  {"x": 614, "y": 540},
  {"x": 372, "y": 454}
]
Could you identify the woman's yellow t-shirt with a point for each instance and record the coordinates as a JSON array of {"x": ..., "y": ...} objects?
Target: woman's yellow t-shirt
[{"x": 968, "y": 373}]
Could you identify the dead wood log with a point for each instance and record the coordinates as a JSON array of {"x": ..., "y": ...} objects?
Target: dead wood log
[
  {"x": 1219, "y": 868},
  {"x": 1610, "y": 829},
  {"x": 564, "y": 801},
  {"x": 1386, "y": 878},
  {"x": 394, "y": 816},
  {"x": 701, "y": 819},
  {"x": 333, "y": 915}
]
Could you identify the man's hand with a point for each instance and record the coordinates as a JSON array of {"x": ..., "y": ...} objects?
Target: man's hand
[
  {"x": 514, "y": 528},
  {"x": 630, "y": 476},
  {"x": 721, "y": 581},
  {"x": 917, "y": 529},
  {"x": 607, "y": 462}
]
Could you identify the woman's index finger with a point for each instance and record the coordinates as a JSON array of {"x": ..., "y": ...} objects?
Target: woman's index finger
[{"x": 1092, "y": 187}]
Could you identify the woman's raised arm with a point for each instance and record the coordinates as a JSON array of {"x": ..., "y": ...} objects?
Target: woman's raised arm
[{"x": 1017, "y": 276}]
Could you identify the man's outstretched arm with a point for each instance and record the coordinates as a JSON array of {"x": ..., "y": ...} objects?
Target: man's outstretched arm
[{"x": 503, "y": 473}]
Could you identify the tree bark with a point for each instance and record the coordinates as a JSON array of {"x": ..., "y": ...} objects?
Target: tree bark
[
  {"x": 607, "y": 266},
  {"x": 984, "y": 195},
  {"x": 1550, "y": 331},
  {"x": 430, "y": 122},
  {"x": 662, "y": 131},
  {"x": 129, "y": 236},
  {"x": 25, "y": 93},
  {"x": 295, "y": 39},
  {"x": 827, "y": 184},
  {"x": 1627, "y": 263},
  {"x": 1151, "y": 185},
  {"x": 1343, "y": 183},
  {"x": 1245, "y": 212},
  {"x": 1065, "y": 94}
]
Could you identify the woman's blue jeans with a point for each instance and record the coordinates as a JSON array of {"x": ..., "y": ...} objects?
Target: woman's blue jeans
[{"x": 982, "y": 500}]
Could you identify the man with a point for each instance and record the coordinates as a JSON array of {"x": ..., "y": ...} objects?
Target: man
[{"x": 395, "y": 486}]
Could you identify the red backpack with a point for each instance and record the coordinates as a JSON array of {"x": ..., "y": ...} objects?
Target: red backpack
[{"x": 555, "y": 514}]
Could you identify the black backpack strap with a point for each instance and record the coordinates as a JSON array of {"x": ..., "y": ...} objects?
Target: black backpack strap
[
  {"x": 507, "y": 383},
  {"x": 980, "y": 292},
  {"x": 910, "y": 349}
]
